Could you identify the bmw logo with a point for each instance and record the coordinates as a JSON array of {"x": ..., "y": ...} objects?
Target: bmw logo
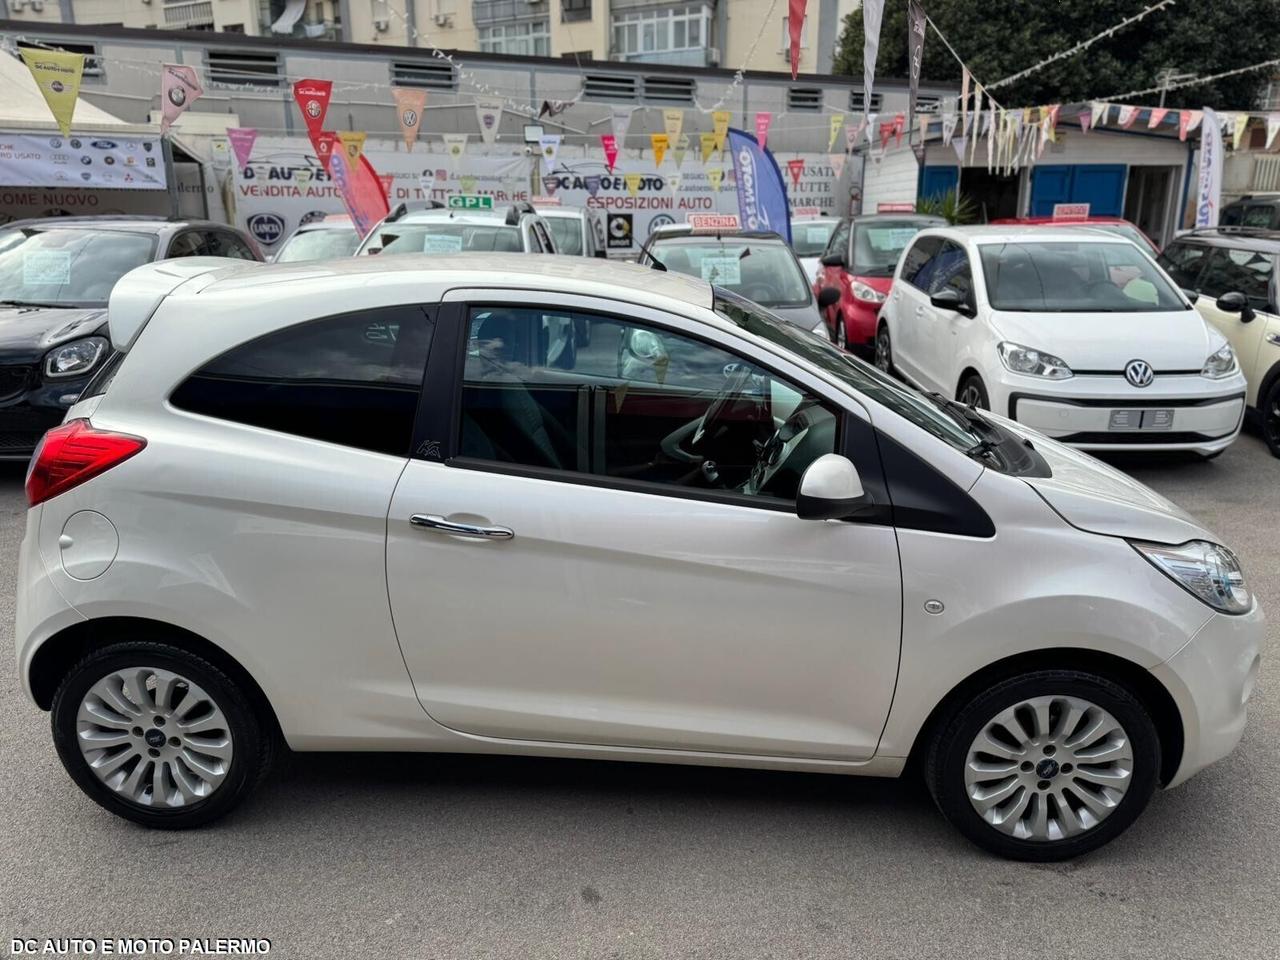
[
  {"x": 266, "y": 228},
  {"x": 86, "y": 160},
  {"x": 1139, "y": 373},
  {"x": 177, "y": 96}
]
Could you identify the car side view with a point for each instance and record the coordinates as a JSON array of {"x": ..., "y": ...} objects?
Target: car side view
[{"x": 376, "y": 504}]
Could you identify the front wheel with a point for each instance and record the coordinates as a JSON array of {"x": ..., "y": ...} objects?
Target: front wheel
[
  {"x": 1045, "y": 766},
  {"x": 158, "y": 735},
  {"x": 884, "y": 349},
  {"x": 1269, "y": 408},
  {"x": 973, "y": 393}
]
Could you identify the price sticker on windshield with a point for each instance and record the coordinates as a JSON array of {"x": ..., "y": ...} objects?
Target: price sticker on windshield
[
  {"x": 46, "y": 268},
  {"x": 723, "y": 270},
  {"x": 441, "y": 243}
]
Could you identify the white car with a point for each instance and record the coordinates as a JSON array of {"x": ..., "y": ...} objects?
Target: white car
[
  {"x": 809, "y": 237},
  {"x": 577, "y": 231},
  {"x": 372, "y": 505},
  {"x": 435, "y": 229},
  {"x": 1077, "y": 334},
  {"x": 325, "y": 238}
]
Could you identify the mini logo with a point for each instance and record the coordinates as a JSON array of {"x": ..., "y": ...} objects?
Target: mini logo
[
  {"x": 1139, "y": 373},
  {"x": 55, "y": 142},
  {"x": 409, "y": 118},
  {"x": 103, "y": 144},
  {"x": 266, "y": 227},
  {"x": 177, "y": 96},
  {"x": 313, "y": 109}
]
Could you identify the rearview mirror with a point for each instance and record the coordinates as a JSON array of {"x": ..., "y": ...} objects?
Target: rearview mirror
[
  {"x": 833, "y": 260},
  {"x": 1236, "y": 302},
  {"x": 828, "y": 297},
  {"x": 953, "y": 300},
  {"x": 831, "y": 489}
]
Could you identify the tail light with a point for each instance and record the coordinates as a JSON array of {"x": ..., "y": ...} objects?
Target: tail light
[{"x": 73, "y": 453}]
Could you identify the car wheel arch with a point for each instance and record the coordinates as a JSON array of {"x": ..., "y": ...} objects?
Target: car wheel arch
[
  {"x": 67, "y": 647},
  {"x": 969, "y": 371},
  {"x": 1269, "y": 380},
  {"x": 1140, "y": 682}
]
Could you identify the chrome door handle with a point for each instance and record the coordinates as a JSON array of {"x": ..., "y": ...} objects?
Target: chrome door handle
[{"x": 475, "y": 531}]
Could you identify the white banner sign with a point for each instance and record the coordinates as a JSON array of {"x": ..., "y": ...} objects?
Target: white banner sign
[
  {"x": 1209, "y": 186},
  {"x": 82, "y": 160}
]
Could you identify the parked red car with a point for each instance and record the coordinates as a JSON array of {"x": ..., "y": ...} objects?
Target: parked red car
[
  {"x": 857, "y": 272},
  {"x": 1116, "y": 225}
]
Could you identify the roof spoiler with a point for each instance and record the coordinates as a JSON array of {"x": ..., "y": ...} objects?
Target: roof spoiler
[{"x": 138, "y": 293}]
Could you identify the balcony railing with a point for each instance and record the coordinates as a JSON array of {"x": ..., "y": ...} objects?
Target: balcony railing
[{"x": 184, "y": 15}]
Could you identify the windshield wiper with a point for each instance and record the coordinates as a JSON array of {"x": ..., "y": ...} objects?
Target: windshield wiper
[{"x": 28, "y": 303}]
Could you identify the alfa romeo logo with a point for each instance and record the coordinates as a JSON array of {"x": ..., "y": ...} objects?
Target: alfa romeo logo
[{"x": 1139, "y": 373}]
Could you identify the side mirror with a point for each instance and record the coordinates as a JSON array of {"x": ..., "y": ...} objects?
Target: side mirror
[
  {"x": 831, "y": 490},
  {"x": 953, "y": 300},
  {"x": 828, "y": 297},
  {"x": 833, "y": 260},
  {"x": 1236, "y": 302}
]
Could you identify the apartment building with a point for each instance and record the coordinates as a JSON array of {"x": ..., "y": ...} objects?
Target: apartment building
[{"x": 694, "y": 33}]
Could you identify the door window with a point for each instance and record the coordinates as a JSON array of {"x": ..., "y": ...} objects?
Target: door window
[
  {"x": 839, "y": 241},
  {"x": 949, "y": 270},
  {"x": 600, "y": 396},
  {"x": 229, "y": 245},
  {"x": 916, "y": 265},
  {"x": 191, "y": 243},
  {"x": 1246, "y": 271},
  {"x": 352, "y": 380},
  {"x": 1184, "y": 262}
]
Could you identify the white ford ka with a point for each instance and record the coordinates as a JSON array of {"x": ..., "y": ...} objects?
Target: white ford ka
[
  {"x": 398, "y": 504},
  {"x": 1076, "y": 333}
]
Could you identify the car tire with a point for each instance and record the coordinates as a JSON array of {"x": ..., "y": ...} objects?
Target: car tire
[
  {"x": 1032, "y": 797},
  {"x": 189, "y": 706},
  {"x": 842, "y": 331},
  {"x": 973, "y": 392},
  {"x": 1269, "y": 417},
  {"x": 884, "y": 349}
]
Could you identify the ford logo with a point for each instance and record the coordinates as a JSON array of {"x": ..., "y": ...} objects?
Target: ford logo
[
  {"x": 266, "y": 227},
  {"x": 103, "y": 145}
]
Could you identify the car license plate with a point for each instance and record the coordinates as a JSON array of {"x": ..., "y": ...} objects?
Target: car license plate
[{"x": 1133, "y": 419}]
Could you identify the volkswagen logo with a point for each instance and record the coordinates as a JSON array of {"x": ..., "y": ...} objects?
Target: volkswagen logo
[{"x": 1139, "y": 373}]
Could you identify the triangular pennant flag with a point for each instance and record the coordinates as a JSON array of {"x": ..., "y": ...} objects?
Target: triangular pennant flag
[
  {"x": 57, "y": 74},
  {"x": 1126, "y": 117},
  {"x": 632, "y": 180},
  {"x": 948, "y": 128},
  {"x": 1053, "y": 121},
  {"x": 1157, "y": 117},
  {"x": 410, "y": 104},
  {"x": 886, "y": 132},
  {"x": 609, "y": 143},
  {"x": 1194, "y": 120},
  {"x": 681, "y": 149},
  {"x": 242, "y": 139},
  {"x": 620, "y": 118},
  {"x": 489, "y": 119},
  {"x": 991, "y": 139},
  {"x": 467, "y": 183},
  {"x": 673, "y": 181},
  {"x": 353, "y": 143},
  {"x": 964, "y": 99},
  {"x": 870, "y": 122},
  {"x": 796, "y": 169},
  {"x": 762, "y": 127},
  {"x": 1273, "y": 128},
  {"x": 795, "y": 31},
  {"x": 324, "y": 142},
  {"x": 659, "y": 142},
  {"x": 673, "y": 123},
  {"x": 720, "y": 126},
  {"x": 455, "y": 144},
  {"x": 385, "y": 180},
  {"x": 853, "y": 133},
  {"x": 549, "y": 184},
  {"x": 976, "y": 135},
  {"x": 1086, "y": 120},
  {"x": 707, "y": 145},
  {"x": 312, "y": 97},
  {"x": 1241, "y": 121},
  {"x": 837, "y": 163},
  {"x": 549, "y": 147},
  {"x": 592, "y": 183},
  {"x": 1098, "y": 109},
  {"x": 837, "y": 121},
  {"x": 899, "y": 125},
  {"x": 958, "y": 144},
  {"x": 179, "y": 89},
  {"x": 715, "y": 176}
]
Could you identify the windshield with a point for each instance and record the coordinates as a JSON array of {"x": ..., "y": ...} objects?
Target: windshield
[
  {"x": 319, "y": 245},
  {"x": 68, "y": 267},
  {"x": 1065, "y": 277},
  {"x": 761, "y": 270},
  {"x": 443, "y": 237},
  {"x": 878, "y": 245},
  {"x": 1129, "y": 232},
  {"x": 566, "y": 232},
  {"x": 810, "y": 239}
]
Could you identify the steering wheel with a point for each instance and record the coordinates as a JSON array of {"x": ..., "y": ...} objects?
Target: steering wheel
[{"x": 739, "y": 377}]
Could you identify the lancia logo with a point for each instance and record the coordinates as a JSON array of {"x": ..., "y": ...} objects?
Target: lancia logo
[{"x": 1139, "y": 373}]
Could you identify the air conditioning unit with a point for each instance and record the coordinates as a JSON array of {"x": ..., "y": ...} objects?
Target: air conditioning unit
[
  {"x": 381, "y": 25},
  {"x": 17, "y": 5},
  {"x": 443, "y": 19},
  {"x": 713, "y": 56}
]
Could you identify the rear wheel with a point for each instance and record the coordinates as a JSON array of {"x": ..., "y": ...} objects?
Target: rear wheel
[
  {"x": 158, "y": 735},
  {"x": 973, "y": 393},
  {"x": 1045, "y": 766},
  {"x": 1270, "y": 410}
]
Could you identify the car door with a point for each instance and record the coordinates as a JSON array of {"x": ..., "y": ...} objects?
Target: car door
[
  {"x": 1251, "y": 272},
  {"x": 561, "y": 568},
  {"x": 912, "y": 313},
  {"x": 948, "y": 337}
]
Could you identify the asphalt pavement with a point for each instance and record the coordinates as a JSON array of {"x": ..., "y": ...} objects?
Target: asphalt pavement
[{"x": 422, "y": 856}]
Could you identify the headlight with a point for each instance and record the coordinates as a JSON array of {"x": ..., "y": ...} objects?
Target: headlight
[
  {"x": 74, "y": 359},
  {"x": 1032, "y": 363},
  {"x": 1204, "y": 569},
  {"x": 866, "y": 293},
  {"x": 1220, "y": 364}
]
